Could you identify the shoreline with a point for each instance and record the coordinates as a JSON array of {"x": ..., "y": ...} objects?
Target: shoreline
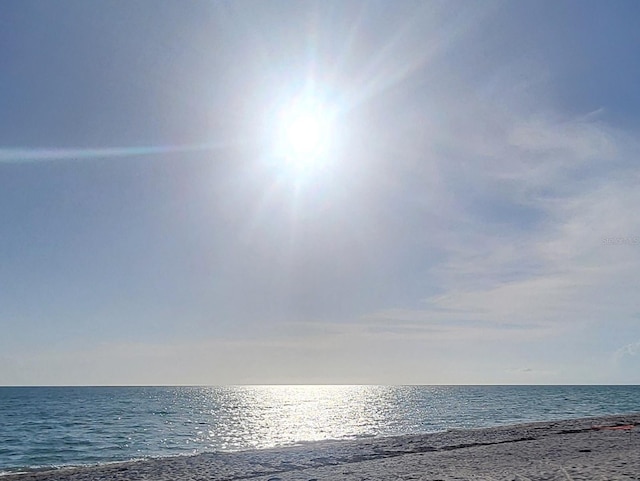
[{"x": 606, "y": 447}]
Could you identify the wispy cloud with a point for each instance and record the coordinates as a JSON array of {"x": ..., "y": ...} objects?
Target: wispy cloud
[
  {"x": 551, "y": 276},
  {"x": 630, "y": 350},
  {"x": 571, "y": 141},
  {"x": 16, "y": 155}
]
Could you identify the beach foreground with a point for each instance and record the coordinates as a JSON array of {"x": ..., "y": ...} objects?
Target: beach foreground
[{"x": 604, "y": 448}]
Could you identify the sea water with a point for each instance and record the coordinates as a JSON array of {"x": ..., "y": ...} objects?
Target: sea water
[{"x": 42, "y": 427}]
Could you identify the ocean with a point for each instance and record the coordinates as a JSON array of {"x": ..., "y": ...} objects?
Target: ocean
[{"x": 43, "y": 427}]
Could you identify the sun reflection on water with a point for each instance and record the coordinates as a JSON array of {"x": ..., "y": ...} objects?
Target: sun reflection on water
[
  {"x": 277, "y": 415},
  {"x": 58, "y": 426}
]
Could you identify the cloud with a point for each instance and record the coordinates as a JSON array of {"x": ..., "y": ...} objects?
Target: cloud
[
  {"x": 630, "y": 350},
  {"x": 575, "y": 140},
  {"x": 530, "y": 204},
  {"x": 16, "y": 155}
]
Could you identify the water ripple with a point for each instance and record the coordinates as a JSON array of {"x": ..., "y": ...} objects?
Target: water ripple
[{"x": 64, "y": 426}]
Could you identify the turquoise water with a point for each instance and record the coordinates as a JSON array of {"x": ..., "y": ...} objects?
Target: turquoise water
[{"x": 55, "y": 426}]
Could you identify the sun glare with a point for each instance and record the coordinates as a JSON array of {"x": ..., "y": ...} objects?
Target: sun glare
[
  {"x": 304, "y": 132},
  {"x": 304, "y": 135}
]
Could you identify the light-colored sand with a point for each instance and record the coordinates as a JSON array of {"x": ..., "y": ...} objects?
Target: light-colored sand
[{"x": 563, "y": 450}]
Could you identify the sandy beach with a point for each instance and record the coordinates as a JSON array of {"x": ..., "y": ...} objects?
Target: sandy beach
[{"x": 604, "y": 448}]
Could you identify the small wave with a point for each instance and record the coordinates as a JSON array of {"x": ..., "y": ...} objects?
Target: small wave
[{"x": 47, "y": 428}]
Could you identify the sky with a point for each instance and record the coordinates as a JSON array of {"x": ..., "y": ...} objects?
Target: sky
[{"x": 467, "y": 214}]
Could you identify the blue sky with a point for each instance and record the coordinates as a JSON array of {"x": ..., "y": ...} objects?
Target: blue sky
[{"x": 474, "y": 219}]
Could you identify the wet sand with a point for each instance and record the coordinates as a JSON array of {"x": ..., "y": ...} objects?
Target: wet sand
[{"x": 605, "y": 448}]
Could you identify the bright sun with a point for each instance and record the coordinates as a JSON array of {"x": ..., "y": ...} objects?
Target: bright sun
[{"x": 304, "y": 132}]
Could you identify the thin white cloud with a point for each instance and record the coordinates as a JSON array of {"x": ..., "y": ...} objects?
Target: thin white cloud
[
  {"x": 630, "y": 350},
  {"x": 572, "y": 140},
  {"x": 556, "y": 277},
  {"x": 16, "y": 155}
]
